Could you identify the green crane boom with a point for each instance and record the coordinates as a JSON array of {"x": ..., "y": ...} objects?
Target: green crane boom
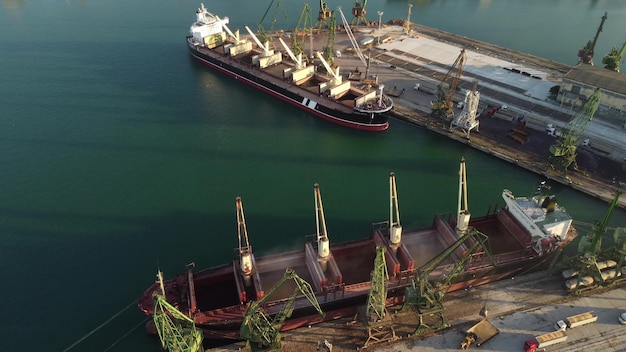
[
  {"x": 177, "y": 332},
  {"x": 563, "y": 152},
  {"x": 378, "y": 292},
  {"x": 612, "y": 60},
  {"x": 301, "y": 31},
  {"x": 426, "y": 297},
  {"x": 260, "y": 328}
]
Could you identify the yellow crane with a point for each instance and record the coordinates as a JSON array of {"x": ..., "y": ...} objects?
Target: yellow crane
[
  {"x": 443, "y": 107},
  {"x": 358, "y": 11}
]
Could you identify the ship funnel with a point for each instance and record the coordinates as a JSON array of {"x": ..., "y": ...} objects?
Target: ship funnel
[
  {"x": 395, "y": 229},
  {"x": 245, "y": 250},
  {"x": 463, "y": 214},
  {"x": 323, "y": 243}
]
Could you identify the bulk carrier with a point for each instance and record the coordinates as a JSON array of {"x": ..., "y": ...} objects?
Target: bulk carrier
[
  {"x": 249, "y": 60},
  {"x": 526, "y": 235}
]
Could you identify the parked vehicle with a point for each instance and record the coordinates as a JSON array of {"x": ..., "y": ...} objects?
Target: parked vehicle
[
  {"x": 478, "y": 334},
  {"x": 575, "y": 321},
  {"x": 622, "y": 318},
  {"x": 545, "y": 340}
]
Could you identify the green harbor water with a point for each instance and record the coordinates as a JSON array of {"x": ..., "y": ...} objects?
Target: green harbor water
[{"x": 120, "y": 155}]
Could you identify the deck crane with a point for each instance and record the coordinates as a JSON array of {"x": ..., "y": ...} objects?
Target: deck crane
[
  {"x": 323, "y": 243},
  {"x": 245, "y": 249},
  {"x": 586, "y": 54},
  {"x": 466, "y": 120},
  {"x": 375, "y": 315},
  {"x": 302, "y": 29},
  {"x": 358, "y": 11},
  {"x": 443, "y": 107},
  {"x": 425, "y": 297},
  {"x": 234, "y": 36},
  {"x": 177, "y": 331},
  {"x": 323, "y": 16},
  {"x": 612, "y": 60},
  {"x": 395, "y": 229},
  {"x": 333, "y": 73},
  {"x": 563, "y": 152},
  {"x": 589, "y": 247},
  {"x": 296, "y": 59},
  {"x": 264, "y": 330}
]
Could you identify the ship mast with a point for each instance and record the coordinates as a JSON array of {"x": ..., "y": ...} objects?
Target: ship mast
[
  {"x": 463, "y": 214},
  {"x": 245, "y": 250},
  {"x": 395, "y": 229}
]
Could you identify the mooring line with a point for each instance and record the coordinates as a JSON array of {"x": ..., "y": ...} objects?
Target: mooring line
[
  {"x": 126, "y": 334},
  {"x": 99, "y": 327}
]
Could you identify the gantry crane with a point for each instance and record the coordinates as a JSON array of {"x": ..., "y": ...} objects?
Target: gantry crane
[
  {"x": 589, "y": 248},
  {"x": 586, "y": 54},
  {"x": 358, "y": 11},
  {"x": 612, "y": 60},
  {"x": 466, "y": 120},
  {"x": 323, "y": 16},
  {"x": 302, "y": 29},
  {"x": 563, "y": 152},
  {"x": 375, "y": 317},
  {"x": 177, "y": 331},
  {"x": 443, "y": 107},
  {"x": 425, "y": 297},
  {"x": 260, "y": 328}
]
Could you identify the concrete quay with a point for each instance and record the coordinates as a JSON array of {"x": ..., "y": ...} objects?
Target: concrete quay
[
  {"x": 521, "y": 307},
  {"x": 419, "y": 58}
]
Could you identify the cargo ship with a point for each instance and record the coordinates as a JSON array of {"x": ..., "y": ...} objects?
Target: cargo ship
[
  {"x": 525, "y": 235},
  {"x": 316, "y": 87}
]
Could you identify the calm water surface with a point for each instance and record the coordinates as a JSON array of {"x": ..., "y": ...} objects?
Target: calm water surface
[{"x": 120, "y": 155}]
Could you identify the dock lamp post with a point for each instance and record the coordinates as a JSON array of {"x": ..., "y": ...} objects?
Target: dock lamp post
[{"x": 380, "y": 20}]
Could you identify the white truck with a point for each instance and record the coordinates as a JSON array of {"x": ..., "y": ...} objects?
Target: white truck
[
  {"x": 545, "y": 340},
  {"x": 575, "y": 321}
]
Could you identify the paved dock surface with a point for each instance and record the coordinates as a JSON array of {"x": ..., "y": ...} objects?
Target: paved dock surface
[{"x": 418, "y": 58}]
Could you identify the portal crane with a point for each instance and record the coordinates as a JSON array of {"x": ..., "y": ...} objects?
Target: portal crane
[
  {"x": 260, "y": 328},
  {"x": 302, "y": 29},
  {"x": 443, "y": 108},
  {"x": 262, "y": 34},
  {"x": 589, "y": 249},
  {"x": 375, "y": 316},
  {"x": 586, "y": 54},
  {"x": 323, "y": 16},
  {"x": 358, "y": 11},
  {"x": 563, "y": 152},
  {"x": 177, "y": 331},
  {"x": 329, "y": 48},
  {"x": 612, "y": 60},
  {"x": 427, "y": 298}
]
